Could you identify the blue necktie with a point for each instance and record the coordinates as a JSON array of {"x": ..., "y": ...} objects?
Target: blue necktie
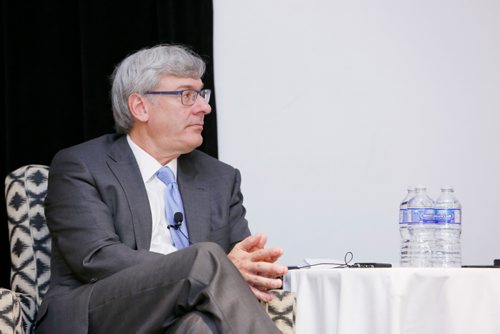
[{"x": 173, "y": 205}]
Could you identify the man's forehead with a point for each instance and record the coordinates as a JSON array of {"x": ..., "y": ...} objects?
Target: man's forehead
[{"x": 174, "y": 81}]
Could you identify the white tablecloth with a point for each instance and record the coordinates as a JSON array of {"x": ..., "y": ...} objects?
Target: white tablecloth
[{"x": 396, "y": 300}]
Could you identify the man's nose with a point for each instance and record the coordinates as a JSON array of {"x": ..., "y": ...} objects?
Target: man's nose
[{"x": 201, "y": 105}]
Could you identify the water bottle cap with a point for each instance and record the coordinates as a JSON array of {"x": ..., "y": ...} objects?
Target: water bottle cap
[{"x": 447, "y": 187}]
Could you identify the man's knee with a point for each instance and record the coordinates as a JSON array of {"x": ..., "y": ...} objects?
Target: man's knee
[
  {"x": 210, "y": 259},
  {"x": 210, "y": 248},
  {"x": 209, "y": 253},
  {"x": 194, "y": 322}
]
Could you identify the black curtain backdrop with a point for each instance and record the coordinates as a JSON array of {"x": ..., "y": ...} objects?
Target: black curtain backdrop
[{"x": 56, "y": 61}]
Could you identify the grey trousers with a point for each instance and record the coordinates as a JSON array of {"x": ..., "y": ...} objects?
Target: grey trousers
[{"x": 194, "y": 290}]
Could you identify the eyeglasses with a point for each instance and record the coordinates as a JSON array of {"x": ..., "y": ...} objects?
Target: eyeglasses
[{"x": 188, "y": 96}]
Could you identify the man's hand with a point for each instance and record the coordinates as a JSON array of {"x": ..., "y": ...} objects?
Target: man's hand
[{"x": 257, "y": 266}]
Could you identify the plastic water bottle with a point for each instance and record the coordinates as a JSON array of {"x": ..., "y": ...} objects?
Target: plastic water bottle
[
  {"x": 421, "y": 227},
  {"x": 403, "y": 227},
  {"x": 447, "y": 252}
]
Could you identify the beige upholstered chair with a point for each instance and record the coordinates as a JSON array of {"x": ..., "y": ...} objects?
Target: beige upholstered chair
[{"x": 30, "y": 246}]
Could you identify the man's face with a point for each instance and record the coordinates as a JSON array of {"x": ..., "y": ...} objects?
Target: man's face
[{"x": 173, "y": 126}]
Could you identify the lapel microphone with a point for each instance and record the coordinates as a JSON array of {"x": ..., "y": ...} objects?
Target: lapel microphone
[{"x": 178, "y": 218}]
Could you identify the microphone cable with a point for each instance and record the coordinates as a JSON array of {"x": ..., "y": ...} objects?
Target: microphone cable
[{"x": 347, "y": 259}]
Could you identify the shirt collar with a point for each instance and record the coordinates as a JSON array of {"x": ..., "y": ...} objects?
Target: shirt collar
[{"x": 148, "y": 165}]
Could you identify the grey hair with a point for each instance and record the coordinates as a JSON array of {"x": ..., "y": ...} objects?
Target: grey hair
[{"x": 143, "y": 70}]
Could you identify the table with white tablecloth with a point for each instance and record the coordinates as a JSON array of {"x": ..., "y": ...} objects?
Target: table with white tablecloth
[{"x": 396, "y": 300}]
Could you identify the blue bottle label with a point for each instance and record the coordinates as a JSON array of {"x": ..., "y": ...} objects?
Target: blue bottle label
[
  {"x": 448, "y": 216},
  {"x": 421, "y": 215}
]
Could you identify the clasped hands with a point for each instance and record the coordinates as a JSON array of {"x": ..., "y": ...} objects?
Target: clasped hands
[{"x": 257, "y": 265}]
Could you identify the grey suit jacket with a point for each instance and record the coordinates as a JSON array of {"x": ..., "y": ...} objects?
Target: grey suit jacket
[{"x": 99, "y": 218}]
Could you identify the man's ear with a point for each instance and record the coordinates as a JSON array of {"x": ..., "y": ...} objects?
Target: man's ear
[{"x": 138, "y": 107}]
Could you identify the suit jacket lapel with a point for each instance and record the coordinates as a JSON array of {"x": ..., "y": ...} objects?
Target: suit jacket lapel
[
  {"x": 196, "y": 200},
  {"x": 124, "y": 166}
]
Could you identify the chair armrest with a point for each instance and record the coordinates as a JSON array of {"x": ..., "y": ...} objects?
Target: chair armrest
[
  {"x": 282, "y": 310},
  {"x": 10, "y": 313}
]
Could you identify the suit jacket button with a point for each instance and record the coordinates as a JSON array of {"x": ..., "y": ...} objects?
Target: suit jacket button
[{"x": 93, "y": 280}]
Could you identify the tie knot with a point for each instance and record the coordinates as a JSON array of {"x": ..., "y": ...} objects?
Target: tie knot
[{"x": 166, "y": 175}]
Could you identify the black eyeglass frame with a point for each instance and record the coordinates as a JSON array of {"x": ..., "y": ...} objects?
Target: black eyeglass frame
[{"x": 204, "y": 93}]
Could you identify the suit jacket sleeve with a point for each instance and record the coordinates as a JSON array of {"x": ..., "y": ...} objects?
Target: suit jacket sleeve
[
  {"x": 212, "y": 199},
  {"x": 237, "y": 213}
]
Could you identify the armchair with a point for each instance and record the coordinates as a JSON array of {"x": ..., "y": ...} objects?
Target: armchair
[{"x": 30, "y": 247}]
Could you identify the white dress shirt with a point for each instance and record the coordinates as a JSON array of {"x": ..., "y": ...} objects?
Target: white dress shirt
[{"x": 161, "y": 241}]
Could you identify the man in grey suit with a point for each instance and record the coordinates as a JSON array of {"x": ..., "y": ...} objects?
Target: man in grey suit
[{"x": 115, "y": 267}]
